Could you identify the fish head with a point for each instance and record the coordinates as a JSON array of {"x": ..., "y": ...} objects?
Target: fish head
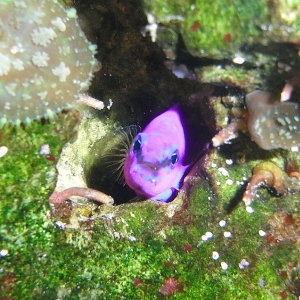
[{"x": 154, "y": 166}]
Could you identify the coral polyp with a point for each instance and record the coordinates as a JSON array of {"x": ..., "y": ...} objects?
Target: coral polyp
[{"x": 45, "y": 59}]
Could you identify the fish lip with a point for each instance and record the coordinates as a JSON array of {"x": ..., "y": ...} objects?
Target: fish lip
[
  {"x": 142, "y": 193},
  {"x": 151, "y": 166}
]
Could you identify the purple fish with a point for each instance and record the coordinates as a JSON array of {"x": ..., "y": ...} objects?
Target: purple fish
[{"x": 156, "y": 161}]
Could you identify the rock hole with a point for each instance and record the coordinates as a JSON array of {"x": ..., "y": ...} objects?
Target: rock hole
[{"x": 104, "y": 166}]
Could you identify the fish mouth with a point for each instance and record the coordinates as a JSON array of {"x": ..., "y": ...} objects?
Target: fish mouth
[
  {"x": 147, "y": 185},
  {"x": 150, "y": 166}
]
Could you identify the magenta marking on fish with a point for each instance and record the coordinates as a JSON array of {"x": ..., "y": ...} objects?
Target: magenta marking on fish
[{"x": 154, "y": 166}]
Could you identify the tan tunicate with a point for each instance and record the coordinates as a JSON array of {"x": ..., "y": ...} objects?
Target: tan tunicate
[
  {"x": 45, "y": 59},
  {"x": 264, "y": 174},
  {"x": 273, "y": 124}
]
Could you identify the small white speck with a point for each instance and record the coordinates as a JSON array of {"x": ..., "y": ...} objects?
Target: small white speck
[
  {"x": 14, "y": 49},
  {"x": 222, "y": 223},
  {"x": 3, "y": 151},
  {"x": 72, "y": 13},
  {"x": 288, "y": 120},
  {"x": 151, "y": 18},
  {"x": 132, "y": 239},
  {"x": 49, "y": 113},
  {"x": 229, "y": 181},
  {"x": 209, "y": 235},
  {"x": 239, "y": 60},
  {"x": 262, "y": 233},
  {"x": 218, "y": 183},
  {"x": 58, "y": 22},
  {"x": 229, "y": 161},
  {"x": 223, "y": 171},
  {"x": 213, "y": 165},
  {"x": 227, "y": 234},
  {"x": 3, "y": 252},
  {"x": 199, "y": 244},
  {"x": 45, "y": 149},
  {"x": 204, "y": 238},
  {"x": 261, "y": 282},
  {"x": 117, "y": 235},
  {"x": 224, "y": 265},
  {"x": 215, "y": 255},
  {"x": 93, "y": 48},
  {"x": 243, "y": 264},
  {"x": 110, "y": 104},
  {"x": 249, "y": 209},
  {"x": 294, "y": 149},
  {"x": 60, "y": 225},
  {"x": 152, "y": 29}
]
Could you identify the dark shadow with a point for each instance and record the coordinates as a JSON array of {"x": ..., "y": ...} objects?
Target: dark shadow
[
  {"x": 236, "y": 199},
  {"x": 183, "y": 56},
  {"x": 98, "y": 181},
  {"x": 284, "y": 68},
  {"x": 104, "y": 165}
]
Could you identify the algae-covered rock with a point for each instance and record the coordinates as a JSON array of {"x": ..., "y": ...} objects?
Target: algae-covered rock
[{"x": 204, "y": 244}]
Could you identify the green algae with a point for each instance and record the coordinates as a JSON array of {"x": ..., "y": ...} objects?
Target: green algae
[
  {"x": 215, "y": 20},
  {"x": 100, "y": 265},
  {"x": 101, "y": 258}
]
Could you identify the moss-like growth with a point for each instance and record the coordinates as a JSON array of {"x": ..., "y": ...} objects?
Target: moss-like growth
[
  {"x": 212, "y": 24},
  {"x": 128, "y": 251}
]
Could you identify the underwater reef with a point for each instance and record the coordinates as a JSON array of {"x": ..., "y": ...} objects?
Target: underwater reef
[{"x": 233, "y": 230}]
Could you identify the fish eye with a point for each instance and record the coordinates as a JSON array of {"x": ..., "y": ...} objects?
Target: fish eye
[
  {"x": 174, "y": 158},
  {"x": 137, "y": 144}
]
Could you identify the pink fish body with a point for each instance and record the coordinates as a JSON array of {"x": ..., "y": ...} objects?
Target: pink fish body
[{"x": 154, "y": 165}]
